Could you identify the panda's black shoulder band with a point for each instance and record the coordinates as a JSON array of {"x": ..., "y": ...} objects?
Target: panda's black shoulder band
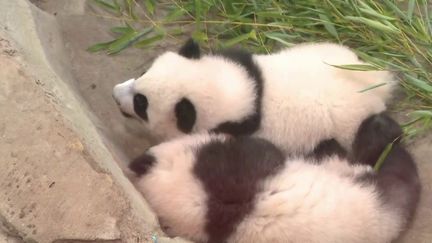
[{"x": 252, "y": 123}]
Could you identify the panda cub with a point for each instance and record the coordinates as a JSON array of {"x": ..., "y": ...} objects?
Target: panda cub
[
  {"x": 215, "y": 188},
  {"x": 295, "y": 98}
]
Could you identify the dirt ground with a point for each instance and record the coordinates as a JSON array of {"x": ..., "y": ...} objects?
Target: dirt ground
[{"x": 96, "y": 74}]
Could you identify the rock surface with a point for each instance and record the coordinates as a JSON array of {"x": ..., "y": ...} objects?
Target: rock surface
[
  {"x": 59, "y": 175},
  {"x": 63, "y": 142}
]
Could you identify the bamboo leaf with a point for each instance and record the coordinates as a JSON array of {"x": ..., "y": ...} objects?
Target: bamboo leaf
[
  {"x": 175, "y": 14},
  {"x": 278, "y": 38},
  {"x": 383, "y": 156},
  {"x": 121, "y": 29},
  {"x": 422, "y": 113},
  {"x": 126, "y": 40},
  {"x": 395, "y": 8},
  {"x": 146, "y": 42},
  {"x": 411, "y": 5},
  {"x": 357, "y": 67},
  {"x": 99, "y": 46},
  {"x": 419, "y": 83},
  {"x": 372, "y": 87},
  {"x": 200, "y": 36},
  {"x": 107, "y": 5},
  {"x": 150, "y": 5},
  {"x": 130, "y": 7},
  {"x": 240, "y": 38},
  {"x": 328, "y": 25},
  {"x": 374, "y": 24}
]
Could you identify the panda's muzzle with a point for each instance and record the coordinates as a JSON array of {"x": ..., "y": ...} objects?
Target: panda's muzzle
[{"x": 123, "y": 96}]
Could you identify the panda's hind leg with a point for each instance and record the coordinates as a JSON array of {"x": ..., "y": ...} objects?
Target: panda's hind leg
[{"x": 397, "y": 180}]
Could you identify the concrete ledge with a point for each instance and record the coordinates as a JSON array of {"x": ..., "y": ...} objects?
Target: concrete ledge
[{"x": 59, "y": 178}]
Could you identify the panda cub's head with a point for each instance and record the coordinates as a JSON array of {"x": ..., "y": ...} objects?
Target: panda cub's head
[
  {"x": 185, "y": 179},
  {"x": 184, "y": 92}
]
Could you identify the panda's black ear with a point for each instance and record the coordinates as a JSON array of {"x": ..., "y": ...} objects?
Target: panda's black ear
[
  {"x": 142, "y": 163},
  {"x": 190, "y": 50},
  {"x": 185, "y": 114}
]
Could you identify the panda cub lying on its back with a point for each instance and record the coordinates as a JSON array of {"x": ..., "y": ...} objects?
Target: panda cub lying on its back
[
  {"x": 215, "y": 188},
  {"x": 294, "y": 98}
]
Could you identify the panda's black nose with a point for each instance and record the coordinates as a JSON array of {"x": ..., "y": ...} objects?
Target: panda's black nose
[{"x": 140, "y": 104}]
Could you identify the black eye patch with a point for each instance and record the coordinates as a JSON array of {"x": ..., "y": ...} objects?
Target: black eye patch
[
  {"x": 186, "y": 115},
  {"x": 140, "y": 104}
]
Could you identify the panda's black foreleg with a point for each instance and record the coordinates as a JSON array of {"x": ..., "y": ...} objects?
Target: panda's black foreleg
[
  {"x": 397, "y": 180},
  {"x": 327, "y": 148},
  {"x": 373, "y": 135}
]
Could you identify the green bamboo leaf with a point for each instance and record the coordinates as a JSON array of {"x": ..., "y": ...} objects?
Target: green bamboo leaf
[
  {"x": 176, "y": 31},
  {"x": 395, "y": 8},
  {"x": 175, "y": 14},
  {"x": 130, "y": 7},
  {"x": 411, "y": 5},
  {"x": 357, "y": 67},
  {"x": 126, "y": 40},
  {"x": 372, "y": 87},
  {"x": 121, "y": 29},
  {"x": 383, "y": 156},
  {"x": 422, "y": 113},
  {"x": 272, "y": 14},
  {"x": 370, "y": 11},
  {"x": 146, "y": 42},
  {"x": 328, "y": 25},
  {"x": 277, "y": 37},
  {"x": 200, "y": 36},
  {"x": 419, "y": 83},
  {"x": 373, "y": 13},
  {"x": 150, "y": 5},
  {"x": 374, "y": 24},
  {"x": 107, "y": 5},
  {"x": 99, "y": 46},
  {"x": 198, "y": 12},
  {"x": 240, "y": 38},
  {"x": 427, "y": 16}
]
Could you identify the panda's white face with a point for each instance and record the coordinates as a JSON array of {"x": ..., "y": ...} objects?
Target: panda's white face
[
  {"x": 180, "y": 95},
  {"x": 166, "y": 169}
]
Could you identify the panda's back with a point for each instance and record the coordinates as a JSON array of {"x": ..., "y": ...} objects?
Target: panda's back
[
  {"x": 305, "y": 99},
  {"x": 313, "y": 203}
]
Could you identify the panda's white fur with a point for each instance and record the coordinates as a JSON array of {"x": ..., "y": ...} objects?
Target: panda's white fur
[
  {"x": 305, "y": 199},
  {"x": 304, "y": 100}
]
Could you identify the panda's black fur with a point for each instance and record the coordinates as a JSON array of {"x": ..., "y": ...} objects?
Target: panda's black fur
[{"x": 231, "y": 186}]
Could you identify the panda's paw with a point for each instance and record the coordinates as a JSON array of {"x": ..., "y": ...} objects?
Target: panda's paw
[{"x": 373, "y": 135}]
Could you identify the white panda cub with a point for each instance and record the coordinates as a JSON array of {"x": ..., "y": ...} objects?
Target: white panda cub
[
  {"x": 213, "y": 188},
  {"x": 294, "y": 98}
]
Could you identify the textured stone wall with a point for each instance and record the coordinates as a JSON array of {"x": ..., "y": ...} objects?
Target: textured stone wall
[{"x": 60, "y": 179}]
